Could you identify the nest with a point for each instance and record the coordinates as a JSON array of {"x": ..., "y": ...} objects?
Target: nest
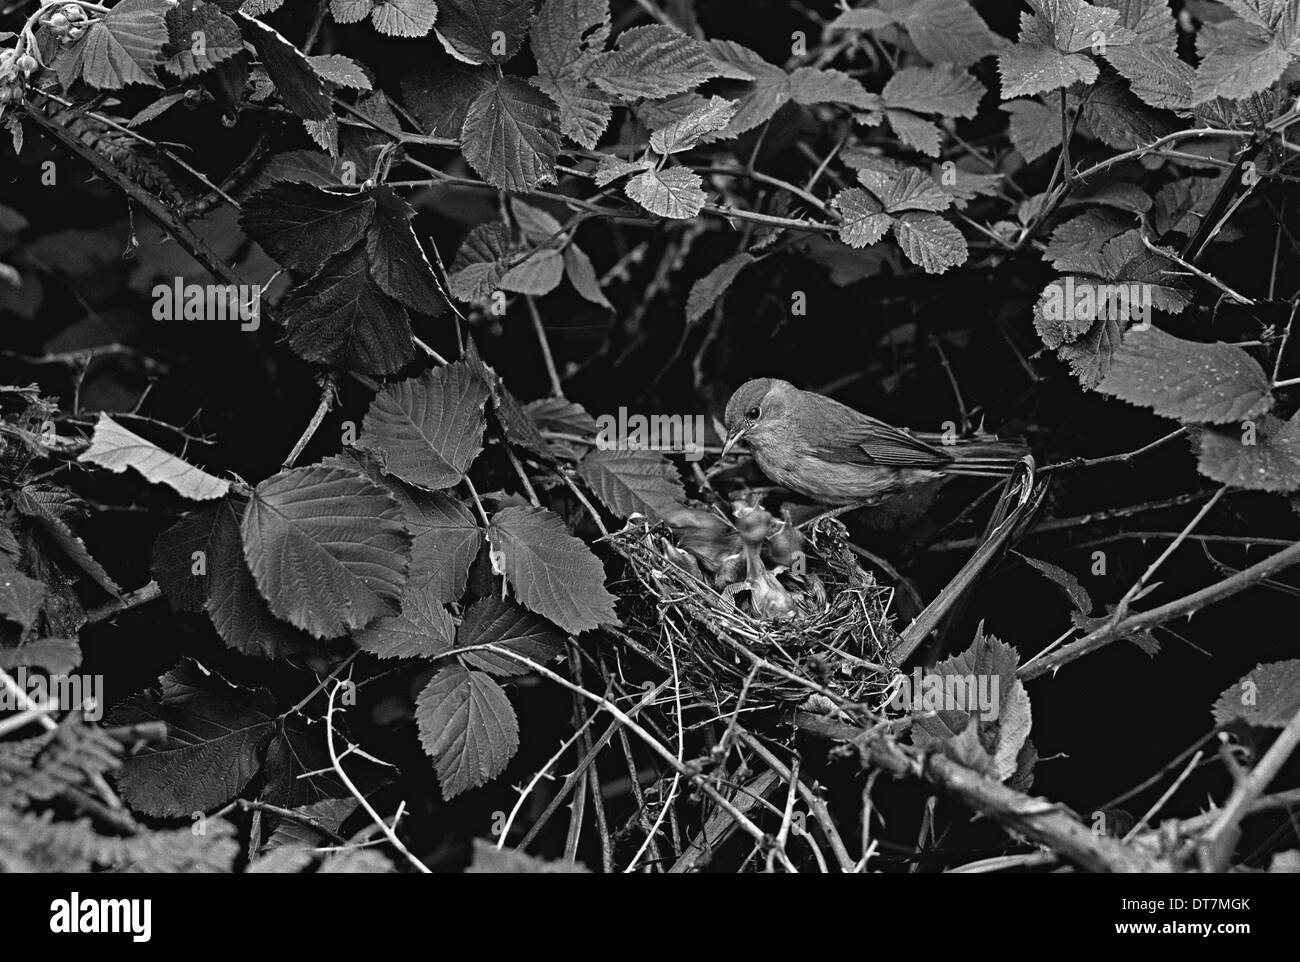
[{"x": 833, "y": 654}]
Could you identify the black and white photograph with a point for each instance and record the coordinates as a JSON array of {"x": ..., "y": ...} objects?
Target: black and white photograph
[{"x": 650, "y": 437}]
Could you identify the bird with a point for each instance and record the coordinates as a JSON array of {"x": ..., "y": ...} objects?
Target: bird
[{"x": 834, "y": 455}]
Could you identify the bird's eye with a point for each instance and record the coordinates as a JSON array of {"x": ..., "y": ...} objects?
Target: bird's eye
[{"x": 752, "y": 414}]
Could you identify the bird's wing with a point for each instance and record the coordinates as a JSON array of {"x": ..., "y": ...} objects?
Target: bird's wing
[{"x": 869, "y": 441}]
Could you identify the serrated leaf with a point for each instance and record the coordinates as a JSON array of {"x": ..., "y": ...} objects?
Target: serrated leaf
[
  {"x": 467, "y": 727},
  {"x": 945, "y": 90},
  {"x": 1267, "y": 697},
  {"x": 1057, "y": 319},
  {"x": 201, "y": 37},
  {"x": 538, "y": 272},
  {"x": 1035, "y": 128},
  {"x": 1076, "y": 245},
  {"x": 511, "y": 135},
  {"x": 813, "y": 85},
  {"x": 1090, "y": 357},
  {"x": 121, "y": 48},
  {"x": 1151, "y": 64},
  {"x": 1119, "y": 119},
  {"x": 404, "y": 18},
  {"x": 215, "y": 733},
  {"x": 610, "y": 169},
  {"x": 300, "y": 87},
  {"x": 682, "y": 135},
  {"x": 1067, "y": 582},
  {"x": 239, "y": 613},
  {"x": 1156, "y": 77},
  {"x": 447, "y": 535},
  {"x": 551, "y": 572},
  {"x": 483, "y": 31},
  {"x": 302, "y": 225},
  {"x": 987, "y": 668},
  {"x": 673, "y": 192},
  {"x": 950, "y": 31},
  {"x": 1191, "y": 381},
  {"x": 706, "y": 291},
  {"x": 930, "y": 242},
  {"x": 627, "y": 482},
  {"x": 428, "y": 430},
  {"x": 1237, "y": 59},
  {"x": 341, "y": 71},
  {"x": 491, "y": 621},
  {"x": 1181, "y": 204},
  {"x": 916, "y": 132},
  {"x": 440, "y": 91},
  {"x": 559, "y": 414},
  {"x": 327, "y": 548},
  {"x": 769, "y": 89},
  {"x": 480, "y": 262},
  {"x": 423, "y": 630},
  {"x": 351, "y": 11},
  {"x": 115, "y": 448},
  {"x": 340, "y": 317},
  {"x": 567, "y": 35},
  {"x": 944, "y": 31},
  {"x": 1262, "y": 455},
  {"x": 397, "y": 261},
  {"x": 1126, "y": 258},
  {"x": 1028, "y": 69},
  {"x": 582, "y": 275},
  {"x": 864, "y": 221},
  {"x": 657, "y": 61},
  {"x": 908, "y": 189},
  {"x": 34, "y": 504}
]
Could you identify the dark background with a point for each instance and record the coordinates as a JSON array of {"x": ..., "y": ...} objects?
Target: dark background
[{"x": 1102, "y": 725}]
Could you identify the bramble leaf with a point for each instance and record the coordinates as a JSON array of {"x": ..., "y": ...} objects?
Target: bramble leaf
[
  {"x": 491, "y": 621},
  {"x": 551, "y": 571},
  {"x": 1188, "y": 380},
  {"x": 511, "y": 135},
  {"x": 627, "y": 482},
  {"x": 467, "y": 727},
  {"x": 328, "y": 549},
  {"x": 428, "y": 430},
  {"x": 115, "y": 448},
  {"x": 674, "y": 192}
]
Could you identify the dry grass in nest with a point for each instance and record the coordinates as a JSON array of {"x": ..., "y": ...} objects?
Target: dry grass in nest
[{"x": 835, "y": 657}]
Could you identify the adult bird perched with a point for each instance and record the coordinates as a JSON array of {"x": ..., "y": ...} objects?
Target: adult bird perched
[{"x": 835, "y": 455}]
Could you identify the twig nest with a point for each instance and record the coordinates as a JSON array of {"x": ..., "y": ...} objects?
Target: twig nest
[{"x": 774, "y": 622}]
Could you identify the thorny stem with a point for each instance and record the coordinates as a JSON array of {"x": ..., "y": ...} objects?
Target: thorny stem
[
  {"x": 356, "y": 793},
  {"x": 1218, "y": 843},
  {"x": 1185, "y": 606}
]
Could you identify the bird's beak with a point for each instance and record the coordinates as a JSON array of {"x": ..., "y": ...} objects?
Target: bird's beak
[{"x": 732, "y": 439}]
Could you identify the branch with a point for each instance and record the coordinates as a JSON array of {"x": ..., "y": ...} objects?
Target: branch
[
  {"x": 1037, "y": 819},
  {"x": 1218, "y": 843},
  {"x": 195, "y": 245},
  {"x": 1185, "y": 606}
]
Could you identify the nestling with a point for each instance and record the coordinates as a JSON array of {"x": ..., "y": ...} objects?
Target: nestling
[{"x": 827, "y": 451}]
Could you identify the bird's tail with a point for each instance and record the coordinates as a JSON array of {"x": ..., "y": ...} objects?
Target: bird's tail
[{"x": 985, "y": 456}]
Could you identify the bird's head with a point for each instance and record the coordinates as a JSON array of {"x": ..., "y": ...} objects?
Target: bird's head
[{"x": 756, "y": 408}]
